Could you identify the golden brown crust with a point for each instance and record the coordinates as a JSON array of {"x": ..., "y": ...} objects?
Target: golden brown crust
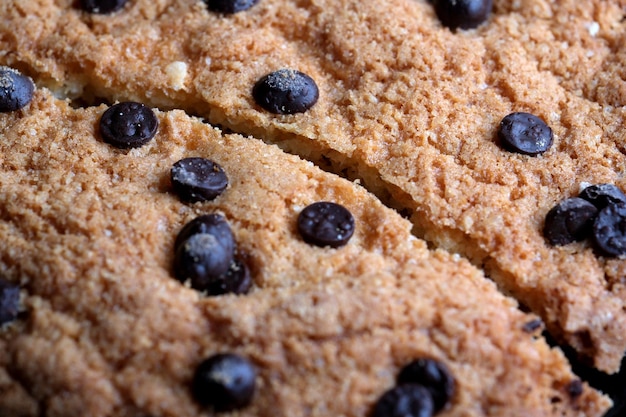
[
  {"x": 406, "y": 104},
  {"x": 88, "y": 232}
]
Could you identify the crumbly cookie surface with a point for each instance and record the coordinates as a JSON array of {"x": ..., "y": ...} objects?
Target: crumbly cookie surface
[
  {"x": 405, "y": 104},
  {"x": 88, "y": 233}
]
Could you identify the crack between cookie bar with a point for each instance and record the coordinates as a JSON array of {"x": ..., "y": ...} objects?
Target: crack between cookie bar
[
  {"x": 187, "y": 138},
  {"x": 342, "y": 161},
  {"x": 344, "y": 165},
  {"x": 450, "y": 239}
]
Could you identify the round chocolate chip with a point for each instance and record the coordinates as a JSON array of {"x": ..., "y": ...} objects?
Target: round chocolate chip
[
  {"x": 204, "y": 251},
  {"x": 202, "y": 259},
  {"x": 224, "y": 381},
  {"x": 16, "y": 90},
  {"x": 198, "y": 179},
  {"x": 229, "y": 6},
  {"x": 326, "y": 224},
  {"x": 128, "y": 125},
  {"x": 524, "y": 133},
  {"x": 236, "y": 280},
  {"x": 569, "y": 221},
  {"x": 102, "y": 6},
  {"x": 609, "y": 230},
  {"x": 213, "y": 224},
  {"x": 432, "y": 375},
  {"x": 9, "y": 301},
  {"x": 575, "y": 388},
  {"x": 286, "y": 91},
  {"x": 407, "y": 400},
  {"x": 204, "y": 270},
  {"x": 601, "y": 195},
  {"x": 464, "y": 14}
]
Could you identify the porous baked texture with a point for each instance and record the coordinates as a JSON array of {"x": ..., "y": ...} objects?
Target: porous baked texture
[
  {"x": 88, "y": 233},
  {"x": 406, "y": 105}
]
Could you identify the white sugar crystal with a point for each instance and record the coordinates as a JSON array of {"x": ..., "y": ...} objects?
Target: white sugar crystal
[
  {"x": 593, "y": 28},
  {"x": 177, "y": 72}
]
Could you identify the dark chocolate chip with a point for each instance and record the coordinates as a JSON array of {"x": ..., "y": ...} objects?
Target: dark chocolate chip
[
  {"x": 609, "y": 230},
  {"x": 326, "y": 224},
  {"x": 408, "y": 400},
  {"x": 575, "y": 388},
  {"x": 463, "y": 14},
  {"x": 224, "y": 381},
  {"x": 202, "y": 259},
  {"x": 524, "y": 133},
  {"x": 128, "y": 125},
  {"x": 432, "y": 375},
  {"x": 236, "y": 280},
  {"x": 102, "y": 6},
  {"x": 286, "y": 91},
  {"x": 16, "y": 90},
  {"x": 229, "y": 6},
  {"x": 239, "y": 277},
  {"x": 569, "y": 221},
  {"x": 204, "y": 251},
  {"x": 213, "y": 224},
  {"x": 532, "y": 326},
  {"x": 9, "y": 301},
  {"x": 601, "y": 195},
  {"x": 198, "y": 179}
]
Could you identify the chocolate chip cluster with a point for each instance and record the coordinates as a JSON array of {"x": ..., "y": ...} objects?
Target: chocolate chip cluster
[
  {"x": 599, "y": 213},
  {"x": 424, "y": 387},
  {"x": 206, "y": 257}
]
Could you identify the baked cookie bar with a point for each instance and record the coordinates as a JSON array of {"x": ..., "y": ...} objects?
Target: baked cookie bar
[
  {"x": 346, "y": 320},
  {"x": 404, "y": 103}
]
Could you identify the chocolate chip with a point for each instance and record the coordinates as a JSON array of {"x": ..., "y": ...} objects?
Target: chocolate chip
[
  {"x": 204, "y": 270},
  {"x": 408, "y": 400},
  {"x": 229, "y": 6},
  {"x": 286, "y": 91},
  {"x": 213, "y": 224},
  {"x": 574, "y": 388},
  {"x": 524, "y": 133},
  {"x": 532, "y": 326},
  {"x": 198, "y": 179},
  {"x": 236, "y": 280},
  {"x": 569, "y": 221},
  {"x": 464, "y": 14},
  {"x": 224, "y": 381},
  {"x": 609, "y": 230},
  {"x": 204, "y": 254},
  {"x": 432, "y": 375},
  {"x": 102, "y": 6},
  {"x": 202, "y": 259},
  {"x": 326, "y": 224},
  {"x": 128, "y": 125},
  {"x": 601, "y": 195},
  {"x": 16, "y": 90},
  {"x": 9, "y": 301}
]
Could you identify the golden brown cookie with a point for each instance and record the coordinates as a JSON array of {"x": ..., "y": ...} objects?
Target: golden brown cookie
[
  {"x": 407, "y": 105},
  {"x": 88, "y": 232}
]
